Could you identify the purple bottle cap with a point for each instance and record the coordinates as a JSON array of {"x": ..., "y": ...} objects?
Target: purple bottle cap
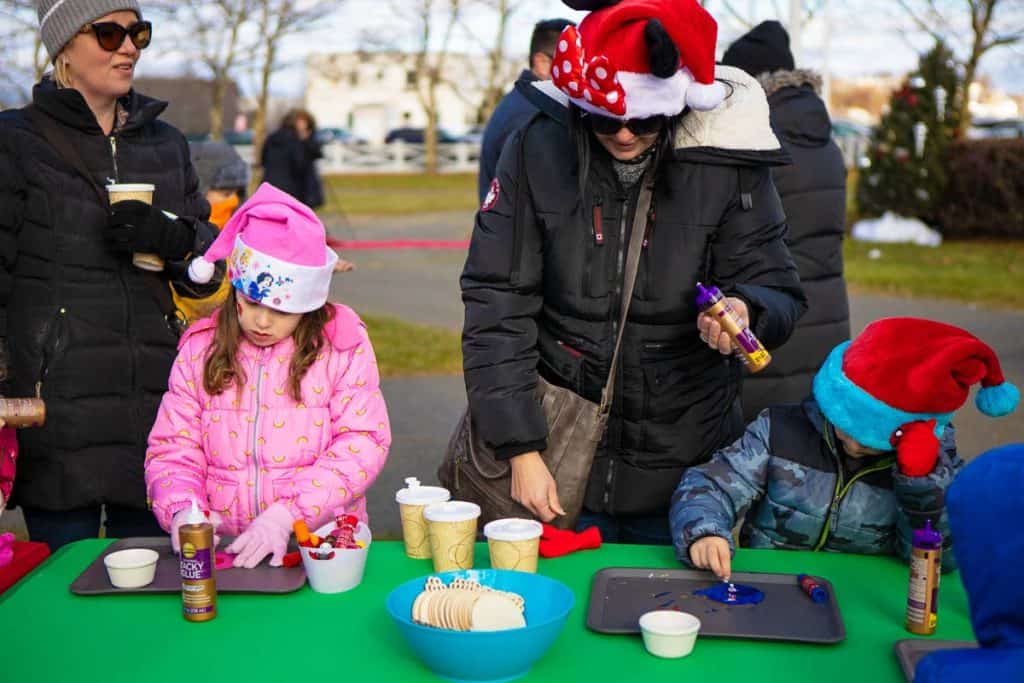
[
  {"x": 927, "y": 537},
  {"x": 706, "y": 296}
]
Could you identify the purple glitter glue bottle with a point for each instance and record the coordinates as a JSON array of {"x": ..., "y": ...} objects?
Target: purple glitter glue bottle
[
  {"x": 749, "y": 349},
  {"x": 925, "y": 569}
]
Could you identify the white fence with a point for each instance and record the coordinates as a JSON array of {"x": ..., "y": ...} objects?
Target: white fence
[
  {"x": 458, "y": 157},
  {"x": 397, "y": 157}
]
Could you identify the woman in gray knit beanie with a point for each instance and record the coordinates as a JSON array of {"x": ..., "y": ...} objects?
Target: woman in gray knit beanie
[{"x": 94, "y": 332}]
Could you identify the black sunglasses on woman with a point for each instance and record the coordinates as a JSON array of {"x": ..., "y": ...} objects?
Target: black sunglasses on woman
[{"x": 110, "y": 35}]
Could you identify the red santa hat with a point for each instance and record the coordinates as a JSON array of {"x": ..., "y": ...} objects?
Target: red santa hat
[
  {"x": 639, "y": 58},
  {"x": 900, "y": 381}
]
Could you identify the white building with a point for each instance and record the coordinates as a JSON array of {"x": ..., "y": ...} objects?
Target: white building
[{"x": 372, "y": 93}]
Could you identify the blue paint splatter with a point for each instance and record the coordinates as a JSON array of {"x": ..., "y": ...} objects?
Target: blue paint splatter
[
  {"x": 661, "y": 595},
  {"x": 666, "y": 604},
  {"x": 742, "y": 595}
]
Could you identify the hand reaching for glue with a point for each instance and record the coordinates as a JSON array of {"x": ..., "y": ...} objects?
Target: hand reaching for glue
[
  {"x": 179, "y": 519},
  {"x": 712, "y": 552},
  {"x": 267, "y": 535}
]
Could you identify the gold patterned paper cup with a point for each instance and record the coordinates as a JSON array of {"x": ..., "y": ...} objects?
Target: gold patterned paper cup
[
  {"x": 514, "y": 543},
  {"x": 412, "y": 501},
  {"x": 451, "y": 527},
  {"x": 141, "y": 192}
]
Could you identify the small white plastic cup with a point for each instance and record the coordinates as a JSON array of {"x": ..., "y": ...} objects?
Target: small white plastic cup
[
  {"x": 412, "y": 501},
  {"x": 514, "y": 543},
  {"x": 669, "y": 634},
  {"x": 131, "y": 568},
  {"x": 344, "y": 571}
]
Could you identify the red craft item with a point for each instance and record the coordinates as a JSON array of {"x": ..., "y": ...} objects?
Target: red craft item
[
  {"x": 27, "y": 556},
  {"x": 556, "y": 542}
]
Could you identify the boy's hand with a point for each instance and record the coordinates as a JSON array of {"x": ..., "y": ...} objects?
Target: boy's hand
[{"x": 712, "y": 552}]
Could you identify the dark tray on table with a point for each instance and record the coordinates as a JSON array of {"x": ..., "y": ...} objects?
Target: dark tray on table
[
  {"x": 260, "y": 579},
  {"x": 618, "y": 596},
  {"x": 911, "y": 651}
]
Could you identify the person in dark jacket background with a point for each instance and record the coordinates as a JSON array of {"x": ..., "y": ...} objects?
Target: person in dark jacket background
[
  {"x": 80, "y": 322},
  {"x": 543, "y": 277},
  {"x": 813, "y": 191},
  {"x": 514, "y": 110},
  {"x": 289, "y": 158}
]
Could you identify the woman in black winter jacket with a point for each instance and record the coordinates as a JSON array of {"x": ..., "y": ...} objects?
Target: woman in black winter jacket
[
  {"x": 80, "y": 323},
  {"x": 813, "y": 192},
  {"x": 542, "y": 281},
  {"x": 289, "y": 158}
]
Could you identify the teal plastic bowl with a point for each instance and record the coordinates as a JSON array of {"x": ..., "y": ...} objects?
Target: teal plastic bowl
[{"x": 486, "y": 656}]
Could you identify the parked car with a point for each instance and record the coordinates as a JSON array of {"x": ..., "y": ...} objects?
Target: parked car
[
  {"x": 244, "y": 137},
  {"x": 981, "y": 129},
  {"x": 474, "y": 135},
  {"x": 416, "y": 136},
  {"x": 328, "y": 135},
  {"x": 842, "y": 128}
]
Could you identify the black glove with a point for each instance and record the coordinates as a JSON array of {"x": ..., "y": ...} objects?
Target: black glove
[{"x": 136, "y": 226}]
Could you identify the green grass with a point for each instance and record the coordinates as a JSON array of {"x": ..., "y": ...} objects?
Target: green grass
[
  {"x": 987, "y": 273},
  {"x": 405, "y": 349},
  {"x": 399, "y": 194}
]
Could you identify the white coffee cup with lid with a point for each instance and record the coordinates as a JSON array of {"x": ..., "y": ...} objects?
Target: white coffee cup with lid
[{"x": 412, "y": 501}]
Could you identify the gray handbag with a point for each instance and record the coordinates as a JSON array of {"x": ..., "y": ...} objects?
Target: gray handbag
[{"x": 575, "y": 425}]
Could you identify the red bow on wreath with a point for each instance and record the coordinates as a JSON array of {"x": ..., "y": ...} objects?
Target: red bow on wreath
[{"x": 595, "y": 81}]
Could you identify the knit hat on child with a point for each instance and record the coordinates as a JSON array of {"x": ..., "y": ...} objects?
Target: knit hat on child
[
  {"x": 899, "y": 382},
  {"x": 279, "y": 253}
]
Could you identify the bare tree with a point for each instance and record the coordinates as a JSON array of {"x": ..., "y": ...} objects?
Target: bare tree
[
  {"x": 217, "y": 36},
  {"x": 973, "y": 27},
  {"x": 24, "y": 59},
  {"x": 431, "y": 55},
  {"x": 497, "y": 71},
  {"x": 278, "y": 19}
]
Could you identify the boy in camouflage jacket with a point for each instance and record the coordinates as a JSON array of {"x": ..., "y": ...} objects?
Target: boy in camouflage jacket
[{"x": 856, "y": 467}]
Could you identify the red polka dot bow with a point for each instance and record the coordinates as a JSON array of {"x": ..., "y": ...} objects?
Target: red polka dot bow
[{"x": 594, "y": 81}]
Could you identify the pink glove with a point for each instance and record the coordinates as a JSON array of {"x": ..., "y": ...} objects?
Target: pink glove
[
  {"x": 179, "y": 518},
  {"x": 267, "y": 534}
]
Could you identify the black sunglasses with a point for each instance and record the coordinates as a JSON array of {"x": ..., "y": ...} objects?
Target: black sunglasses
[
  {"x": 110, "y": 34},
  {"x": 606, "y": 125}
]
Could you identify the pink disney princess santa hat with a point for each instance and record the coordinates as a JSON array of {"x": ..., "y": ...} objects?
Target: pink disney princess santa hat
[
  {"x": 278, "y": 253},
  {"x": 634, "y": 59}
]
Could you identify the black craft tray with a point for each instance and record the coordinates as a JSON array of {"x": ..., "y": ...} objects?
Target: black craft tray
[
  {"x": 260, "y": 579},
  {"x": 911, "y": 651},
  {"x": 618, "y": 596}
]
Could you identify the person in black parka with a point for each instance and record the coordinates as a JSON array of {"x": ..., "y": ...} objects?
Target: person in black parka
[
  {"x": 289, "y": 158},
  {"x": 813, "y": 191},
  {"x": 543, "y": 277},
  {"x": 78, "y": 320}
]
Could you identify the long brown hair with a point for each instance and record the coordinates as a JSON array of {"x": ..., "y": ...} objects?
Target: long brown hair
[{"x": 223, "y": 369}]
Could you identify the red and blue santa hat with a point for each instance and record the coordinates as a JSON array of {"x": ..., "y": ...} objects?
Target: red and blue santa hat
[{"x": 886, "y": 387}]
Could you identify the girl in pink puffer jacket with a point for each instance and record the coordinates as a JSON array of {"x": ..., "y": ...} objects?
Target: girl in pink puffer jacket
[{"x": 273, "y": 411}]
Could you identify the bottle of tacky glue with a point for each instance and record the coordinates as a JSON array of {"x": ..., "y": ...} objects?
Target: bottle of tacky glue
[
  {"x": 749, "y": 350},
  {"x": 925, "y": 569},
  {"x": 198, "y": 581}
]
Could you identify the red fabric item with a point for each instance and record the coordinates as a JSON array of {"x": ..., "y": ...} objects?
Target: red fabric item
[
  {"x": 8, "y": 456},
  {"x": 27, "y": 556},
  {"x": 917, "y": 449},
  {"x": 920, "y": 366},
  {"x": 617, "y": 32},
  {"x": 556, "y": 542}
]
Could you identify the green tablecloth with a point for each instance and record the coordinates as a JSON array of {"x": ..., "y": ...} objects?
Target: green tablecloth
[{"x": 48, "y": 634}]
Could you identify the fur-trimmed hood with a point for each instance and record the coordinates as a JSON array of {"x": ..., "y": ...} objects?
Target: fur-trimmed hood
[
  {"x": 735, "y": 132},
  {"x": 777, "y": 80}
]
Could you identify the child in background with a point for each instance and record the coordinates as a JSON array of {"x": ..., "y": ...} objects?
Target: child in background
[
  {"x": 274, "y": 411},
  {"x": 223, "y": 179},
  {"x": 856, "y": 467},
  {"x": 985, "y": 509}
]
